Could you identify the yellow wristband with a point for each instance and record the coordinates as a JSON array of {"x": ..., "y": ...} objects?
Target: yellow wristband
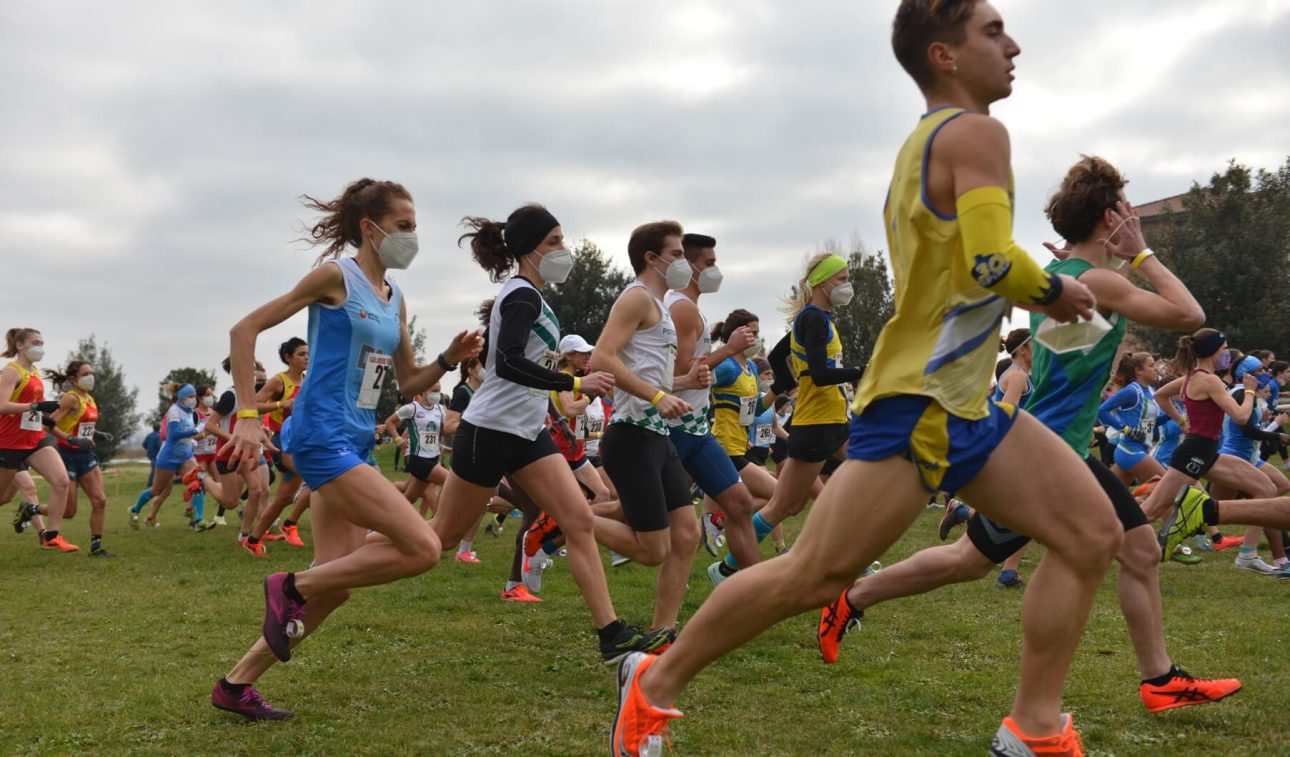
[
  {"x": 658, "y": 397},
  {"x": 1142, "y": 257},
  {"x": 577, "y": 386},
  {"x": 248, "y": 413}
]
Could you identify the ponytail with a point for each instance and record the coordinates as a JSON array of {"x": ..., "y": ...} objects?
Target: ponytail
[
  {"x": 340, "y": 225},
  {"x": 497, "y": 246},
  {"x": 801, "y": 294},
  {"x": 1185, "y": 358},
  {"x": 170, "y": 389},
  {"x": 1126, "y": 371},
  {"x": 15, "y": 337},
  {"x": 68, "y": 376}
]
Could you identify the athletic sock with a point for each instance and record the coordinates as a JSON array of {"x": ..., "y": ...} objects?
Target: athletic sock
[
  {"x": 288, "y": 523},
  {"x": 1209, "y": 511},
  {"x": 613, "y": 629},
  {"x": 500, "y": 518},
  {"x": 144, "y": 498},
  {"x": 235, "y": 689},
  {"x": 252, "y": 540},
  {"x": 511, "y": 585},
  {"x": 48, "y": 535},
  {"x": 549, "y": 547},
  {"x": 291, "y": 589},
  {"x": 1248, "y": 552},
  {"x": 762, "y": 527},
  {"x": 199, "y": 506},
  {"x": 726, "y": 569},
  {"x": 220, "y": 514},
  {"x": 96, "y": 542},
  {"x": 1162, "y": 680},
  {"x": 464, "y": 547},
  {"x": 32, "y": 509}
]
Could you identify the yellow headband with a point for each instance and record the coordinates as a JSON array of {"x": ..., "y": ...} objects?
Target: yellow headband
[{"x": 827, "y": 269}]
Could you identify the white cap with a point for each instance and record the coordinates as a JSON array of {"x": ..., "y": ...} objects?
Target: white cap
[{"x": 574, "y": 343}]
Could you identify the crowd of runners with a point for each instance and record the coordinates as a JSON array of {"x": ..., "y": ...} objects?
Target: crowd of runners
[{"x": 674, "y": 432}]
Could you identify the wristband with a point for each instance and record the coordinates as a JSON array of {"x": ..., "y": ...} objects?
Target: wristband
[
  {"x": 658, "y": 397},
  {"x": 444, "y": 364},
  {"x": 248, "y": 413},
  {"x": 577, "y": 385},
  {"x": 1142, "y": 257},
  {"x": 278, "y": 404}
]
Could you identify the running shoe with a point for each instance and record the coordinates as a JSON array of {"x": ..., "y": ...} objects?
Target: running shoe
[
  {"x": 1283, "y": 573},
  {"x": 1225, "y": 542},
  {"x": 219, "y": 520},
  {"x": 1186, "y": 519},
  {"x": 519, "y": 594},
  {"x": 542, "y": 529},
  {"x": 58, "y": 543},
  {"x": 615, "y": 559},
  {"x": 249, "y": 705},
  {"x": 151, "y": 524},
  {"x": 256, "y": 549},
  {"x": 470, "y": 558},
  {"x": 1202, "y": 543},
  {"x": 1183, "y": 690},
  {"x": 1008, "y": 579},
  {"x": 1182, "y": 554},
  {"x": 531, "y": 570},
  {"x": 134, "y": 520},
  {"x": 493, "y": 529},
  {"x": 22, "y": 517},
  {"x": 950, "y": 519},
  {"x": 836, "y": 621},
  {"x": 292, "y": 536},
  {"x": 283, "y": 616},
  {"x": 100, "y": 552},
  {"x": 1009, "y": 741},
  {"x": 668, "y": 641},
  {"x": 268, "y": 536},
  {"x": 714, "y": 536},
  {"x": 631, "y": 639},
  {"x": 640, "y": 728},
  {"x": 1254, "y": 564},
  {"x": 1142, "y": 491},
  {"x": 715, "y": 575}
]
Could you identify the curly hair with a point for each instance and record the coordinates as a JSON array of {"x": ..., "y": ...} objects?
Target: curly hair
[{"x": 1091, "y": 186}]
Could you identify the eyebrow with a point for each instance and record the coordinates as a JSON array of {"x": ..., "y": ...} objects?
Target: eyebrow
[{"x": 993, "y": 26}]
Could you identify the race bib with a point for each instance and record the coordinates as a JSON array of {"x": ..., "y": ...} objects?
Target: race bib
[
  {"x": 764, "y": 436},
  {"x": 596, "y": 426},
  {"x": 747, "y": 410},
  {"x": 86, "y": 429},
  {"x": 580, "y": 427},
  {"x": 30, "y": 421},
  {"x": 375, "y": 368},
  {"x": 549, "y": 360},
  {"x": 430, "y": 439}
]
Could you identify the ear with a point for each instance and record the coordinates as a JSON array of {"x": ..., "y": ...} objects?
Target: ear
[{"x": 941, "y": 56}]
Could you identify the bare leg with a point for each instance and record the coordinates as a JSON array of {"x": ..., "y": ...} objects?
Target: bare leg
[
  {"x": 685, "y": 533},
  {"x": 49, "y": 465},
  {"x": 1138, "y": 586},
  {"x": 922, "y": 572}
]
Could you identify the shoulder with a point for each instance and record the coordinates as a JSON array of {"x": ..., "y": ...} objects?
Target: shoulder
[
  {"x": 521, "y": 294},
  {"x": 973, "y": 132}
]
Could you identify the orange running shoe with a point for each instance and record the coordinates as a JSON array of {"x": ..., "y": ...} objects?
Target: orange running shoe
[
  {"x": 292, "y": 536},
  {"x": 519, "y": 594},
  {"x": 640, "y": 728},
  {"x": 58, "y": 543},
  {"x": 1009, "y": 741},
  {"x": 542, "y": 529},
  {"x": 272, "y": 537},
  {"x": 191, "y": 477},
  {"x": 256, "y": 549},
  {"x": 1183, "y": 689},
  {"x": 1226, "y": 542},
  {"x": 835, "y": 621},
  {"x": 1142, "y": 491}
]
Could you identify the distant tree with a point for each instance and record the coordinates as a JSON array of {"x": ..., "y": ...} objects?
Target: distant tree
[
  {"x": 181, "y": 376},
  {"x": 116, "y": 403},
  {"x": 582, "y": 303},
  {"x": 860, "y": 322},
  {"x": 1231, "y": 247},
  {"x": 391, "y": 398}
]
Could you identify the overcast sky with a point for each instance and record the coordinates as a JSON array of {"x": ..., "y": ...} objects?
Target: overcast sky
[{"x": 153, "y": 152}]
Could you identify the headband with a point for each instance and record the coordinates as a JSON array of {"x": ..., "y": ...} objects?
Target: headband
[
  {"x": 1208, "y": 344},
  {"x": 526, "y": 228},
  {"x": 827, "y": 269}
]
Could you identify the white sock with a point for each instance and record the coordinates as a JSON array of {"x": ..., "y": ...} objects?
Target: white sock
[
  {"x": 511, "y": 585},
  {"x": 465, "y": 546}
]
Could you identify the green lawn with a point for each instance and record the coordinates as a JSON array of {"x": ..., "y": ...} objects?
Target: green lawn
[{"x": 119, "y": 656}]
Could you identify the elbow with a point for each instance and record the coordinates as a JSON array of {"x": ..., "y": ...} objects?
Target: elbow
[{"x": 1193, "y": 318}]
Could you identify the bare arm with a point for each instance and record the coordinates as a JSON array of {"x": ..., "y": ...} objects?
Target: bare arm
[
  {"x": 1164, "y": 399},
  {"x": 9, "y": 382},
  {"x": 628, "y": 314},
  {"x": 1216, "y": 390},
  {"x": 268, "y": 398},
  {"x": 1014, "y": 385}
]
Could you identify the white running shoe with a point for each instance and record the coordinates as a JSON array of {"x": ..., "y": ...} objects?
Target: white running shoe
[
  {"x": 1254, "y": 564},
  {"x": 715, "y": 575},
  {"x": 531, "y": 571},
  {"x": 219, "y": 521},
  {"x": 714, "y": 536},
  {"x": 616, "y": 559}
]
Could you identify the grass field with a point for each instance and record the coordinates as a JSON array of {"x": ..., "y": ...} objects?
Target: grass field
[{"x": 119, "y": 656}]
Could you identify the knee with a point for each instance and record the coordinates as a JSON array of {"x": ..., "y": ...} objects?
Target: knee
[
  {"x": 972, "y": 567},
  {"x": 686, "y": 533},
  {"x": 1100, "y": 541},
  {"x": 424, "y": 553},
  {"x": 1140, "y": 552},
  {"x": 578, "y": 522},
  {"x": 98, "y": 503},
  {"x": 738, "y": 503},
  {"x": 654, "y": 552}
]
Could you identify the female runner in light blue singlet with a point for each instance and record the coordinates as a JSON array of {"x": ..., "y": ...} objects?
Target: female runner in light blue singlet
[{"x": 364, "y": 532}]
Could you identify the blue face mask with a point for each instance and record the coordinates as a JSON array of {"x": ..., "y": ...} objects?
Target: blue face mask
[{"x": 1223, "y": 361}]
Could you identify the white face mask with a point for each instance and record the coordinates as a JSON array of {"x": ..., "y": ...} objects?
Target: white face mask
[
  {"x": 677, "y": 274},
  {"x": 433, "y": 398},
  {"x": 840, "y": 296},
  {"x": 208, "y": 401},
  {"x": 189, "y": 402},
  {"x": 34, "y": 354},
  {"x": 86, "y": 382},
  {"x": 555, "y": 266},
  {"x": 397, "y": 250},
  {"x": 754, "y": 349},
  {"x": 709, "y": 280},
  {"x": 764, "y": 385}
]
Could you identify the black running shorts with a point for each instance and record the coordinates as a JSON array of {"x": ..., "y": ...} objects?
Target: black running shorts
[
  {"x": 1195, "y": 455},
  {"x": 420, "y": 467},
  {"x": 647, "y": 473},
  {"x": 816, "y": 443},
  {"x": 482, "y": 456}
]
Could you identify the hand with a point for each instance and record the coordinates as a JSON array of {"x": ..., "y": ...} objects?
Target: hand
[
  {"x": 48, "y": 406},
  {"x": 1281, "y": 419},
  {"x": 596, "y": 384},
  {"x": 741, "y": 339},
  {"x": 402, "y": 444},
  {"x": 1125, "y": 241},
  {"x": 1285, "y": 439},
  {"x": 1251, "y": 383},
  {"x": 1061, "y": 253},
  {"x": 1134, "y": 434},
  {"x": 245, "y": 441},
  {"x": 288, "y": 404},
  {"x": 1076, "y": 302},
  {"x": 701, "y": 375},
  {"x": 672, "y": 406},
  {"x": 464, "y": 346}
]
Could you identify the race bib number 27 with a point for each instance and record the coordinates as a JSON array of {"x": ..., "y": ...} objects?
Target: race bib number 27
[{"x": 376, "y": 367}]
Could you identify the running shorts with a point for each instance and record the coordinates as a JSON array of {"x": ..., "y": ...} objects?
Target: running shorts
[
  {"x": 705, "y": 460},
  {"x": 1128, "y": 459},
  {"x": 421, "y": 467},
  {"x": 173, "y": 457},
  {"x": 79, "y": 462},
  {"x": 647, "y": 473},
  {"x": 947, "y": 450},
  {"x": 481, "y": 456},
  {"x": 998, "y": 543},
  {"x": 757, "y": 455},
  {"x": 816, "y": 443},
  {"x": 1195, "y": 455}
]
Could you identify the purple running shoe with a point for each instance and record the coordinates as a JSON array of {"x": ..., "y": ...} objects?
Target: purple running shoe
[
  {"x": 282, "y": 616},
  {"x": 250, "y": 705}
]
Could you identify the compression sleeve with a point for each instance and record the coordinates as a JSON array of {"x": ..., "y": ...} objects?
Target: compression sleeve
[
  {"x": 1109, "y": 413},
  {"x": 460, "y": 399},
  {"x": 519, "y": 312},
  {"x": 813, "y": 334},
  {"x": 175, "y": 431},
  {"x": 778, "y": 359},
  {"x": 995, "y": 260}
]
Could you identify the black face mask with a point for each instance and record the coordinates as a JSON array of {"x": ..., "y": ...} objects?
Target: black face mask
[{"x": 259, "y": 385}]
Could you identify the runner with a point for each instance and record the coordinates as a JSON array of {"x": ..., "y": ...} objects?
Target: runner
[
  {"x": 424, "y": 417},
  {"x": 274, "y": 400},
  {"x": 75, "y": 422},
  {"x": 1132, "y": 410},
  {"x": 925, "y": 397},
  {"x": 364, "y": 532},
  {"x": 237, "y": 481},
  {"x": 23, "y": 442},
  {"x": 502, "y": 432},
  {"x": 176, "y": 456}
]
